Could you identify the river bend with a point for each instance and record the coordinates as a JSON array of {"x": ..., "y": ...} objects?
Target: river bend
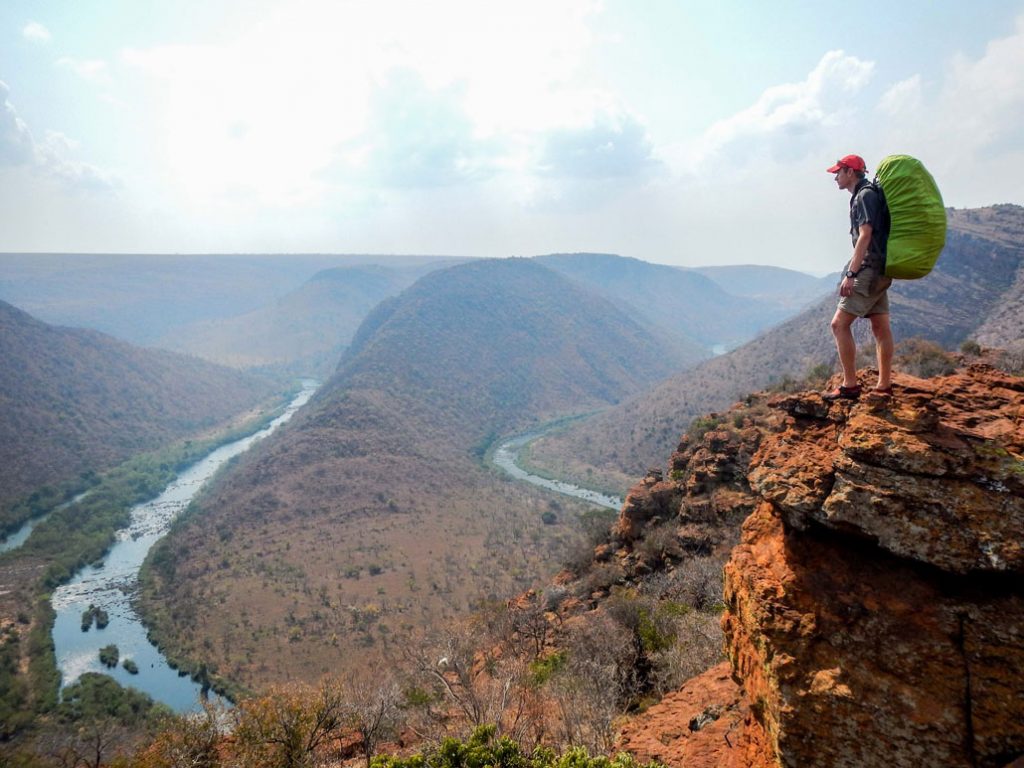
[{"x": 111, "y": 584}]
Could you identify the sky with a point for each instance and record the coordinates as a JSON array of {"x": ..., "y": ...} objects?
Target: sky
[{"x": 687, "y": 133}]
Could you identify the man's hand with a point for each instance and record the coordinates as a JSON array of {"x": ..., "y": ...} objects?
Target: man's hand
[{"x": 846, "y": 287}]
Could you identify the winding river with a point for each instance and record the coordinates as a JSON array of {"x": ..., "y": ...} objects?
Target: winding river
[
  {"x": 110, "y": 586},
  {"x": 506, "y": 455}
]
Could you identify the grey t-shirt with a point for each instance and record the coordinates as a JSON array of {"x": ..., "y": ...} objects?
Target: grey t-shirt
[{"x": 867, "y": 206}]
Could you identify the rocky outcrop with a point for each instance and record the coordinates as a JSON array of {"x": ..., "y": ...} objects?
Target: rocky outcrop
[
  {"x": 875, "y": 600},
  {"x": 875, "y": 610},
  {"x": 935, "y": 475},
  {"x": 706, "y": 494}
]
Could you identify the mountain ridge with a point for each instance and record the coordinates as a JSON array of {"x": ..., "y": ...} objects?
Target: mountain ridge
[
  {"x": 380, "y": 475},
  {"x": 73, "y": 400},
  {"x": 979, "y": 276}
]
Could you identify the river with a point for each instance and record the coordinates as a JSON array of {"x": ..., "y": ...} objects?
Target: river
[
  {"x": 20, "y": 536},
  {"x": 110, "y": 586},
  {"x": 506, "y": 455}
]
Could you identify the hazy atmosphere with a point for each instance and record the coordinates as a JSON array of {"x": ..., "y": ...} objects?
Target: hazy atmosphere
[
  {"x": 390, "y": 384},
  {"x": 675, "y": 132}
]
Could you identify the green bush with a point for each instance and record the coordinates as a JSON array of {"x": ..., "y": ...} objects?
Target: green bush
[
  {"x": 42, "y": 666},
  {"x": 94, "y": 695},
  {"x": 483, "y": 750},
  {"x": 541, "y": 670},
  {"x": 14, "y": 712},
  {"x": 109, "y": 655},
  {"x": 701, "y": 425}
]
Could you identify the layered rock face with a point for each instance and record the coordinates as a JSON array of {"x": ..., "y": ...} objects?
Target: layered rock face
[
  {"x": 875, "y": 610},
  {"x": 875, "y": 598}
]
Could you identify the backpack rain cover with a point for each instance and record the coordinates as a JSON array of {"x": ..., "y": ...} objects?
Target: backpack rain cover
[{"x": 918, "y": 230}]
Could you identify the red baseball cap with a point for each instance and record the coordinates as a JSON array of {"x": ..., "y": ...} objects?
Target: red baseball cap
[{"x": 856, "y": 162}]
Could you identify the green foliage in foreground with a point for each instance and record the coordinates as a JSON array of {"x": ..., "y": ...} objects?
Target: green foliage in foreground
[
  {"x": 482, "y": 750},
  {"x": 95, "y": 696}
]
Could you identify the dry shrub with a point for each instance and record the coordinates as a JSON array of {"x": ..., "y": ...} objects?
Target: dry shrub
[
  {"x": 697, "y": 647},
  {"x": 924, "y": 359},
  {"x": 659, "y": 545},
  {"x": 596, "y": 681}
]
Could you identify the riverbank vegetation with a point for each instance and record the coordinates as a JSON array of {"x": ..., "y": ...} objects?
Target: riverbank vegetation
[
  {"x": 544, "y": 681},
  {"x": 74, "y": 535}
]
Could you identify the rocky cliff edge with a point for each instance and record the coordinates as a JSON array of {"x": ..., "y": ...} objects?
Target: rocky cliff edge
[{"x": 874, "y": 604}]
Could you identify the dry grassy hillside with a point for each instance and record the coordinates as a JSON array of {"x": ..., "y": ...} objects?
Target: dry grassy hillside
[
  {"x": 371, "y": 517},
  {"x": 975, "y": 290},
  {"x": 73, "y": 400}
]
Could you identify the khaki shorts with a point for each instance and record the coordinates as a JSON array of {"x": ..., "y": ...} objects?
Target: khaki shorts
[{"x": 870, "y": 294}]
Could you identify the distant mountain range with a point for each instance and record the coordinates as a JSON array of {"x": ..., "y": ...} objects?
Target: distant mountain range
[
  {"x": 295, "y": 314},
  {"x": 714, "y": 307},
  {"x": 304, "y": 331},
  {"x": 783, "y": 288},
  {"x": 975, "y": 291},
  {"x": 73, "y": 400},
  {"x": 141, "y": 298}
]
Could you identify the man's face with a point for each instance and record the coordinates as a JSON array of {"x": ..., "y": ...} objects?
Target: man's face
[{"x": 846, "y": 178}]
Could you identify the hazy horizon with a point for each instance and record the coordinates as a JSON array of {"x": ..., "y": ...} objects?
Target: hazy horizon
[{"x": 664, "y": 131}]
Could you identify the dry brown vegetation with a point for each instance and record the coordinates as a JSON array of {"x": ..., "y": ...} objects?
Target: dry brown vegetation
[
  {"x": 280, "y": 599},
  {"x": 370, "y": 518},
  {"x": 73, "y": 401}
]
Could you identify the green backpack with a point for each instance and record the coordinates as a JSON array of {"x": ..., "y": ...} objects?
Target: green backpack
[{"x": 918, "y": 230}]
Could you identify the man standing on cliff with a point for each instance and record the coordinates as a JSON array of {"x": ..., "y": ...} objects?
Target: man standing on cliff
[{"x": 864, "y": 289}]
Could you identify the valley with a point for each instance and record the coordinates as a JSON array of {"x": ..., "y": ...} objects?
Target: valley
[{"x": 375, "y": 521}]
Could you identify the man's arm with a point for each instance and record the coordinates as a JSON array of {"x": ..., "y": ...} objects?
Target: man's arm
[{"x": 860, "y": 251}]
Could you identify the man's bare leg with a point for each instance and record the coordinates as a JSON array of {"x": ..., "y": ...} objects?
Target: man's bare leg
[
  {"x": 842, "y": 329},
  {"x": 883, "y": 347}
]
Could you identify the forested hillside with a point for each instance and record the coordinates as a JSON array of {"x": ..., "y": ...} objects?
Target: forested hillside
[
  {"x": 306, "y": 330},
  {"x": 372, "y": 517},
  {"x": 73, "y": 400}
]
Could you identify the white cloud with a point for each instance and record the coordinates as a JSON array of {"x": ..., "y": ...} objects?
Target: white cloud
[
  {"x": 416, "y": 137},
  {"x": 985, "y": 98},
  {"x": 315, "y": 76},
  {"x": 52, "y": 156},
  {"x": 35, "y": 32},
  {"x": 610, "y": 146},
  {"x": 903, "y": 98},
  {"x": 55, "y": 156},
  {"x": 16, "y": 145},
  {"x": 967, "y": 129},
  {"x": 788, "y": 120}
]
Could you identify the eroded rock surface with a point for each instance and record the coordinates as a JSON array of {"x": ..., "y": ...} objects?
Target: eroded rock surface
[
  {"x": 875, "y": 611},
  {"x": 935, "y": 474},
  {"x": 875, "y": 600}
]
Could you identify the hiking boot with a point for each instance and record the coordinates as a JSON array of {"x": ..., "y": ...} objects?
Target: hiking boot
[{"x": 842, "y": 393}]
